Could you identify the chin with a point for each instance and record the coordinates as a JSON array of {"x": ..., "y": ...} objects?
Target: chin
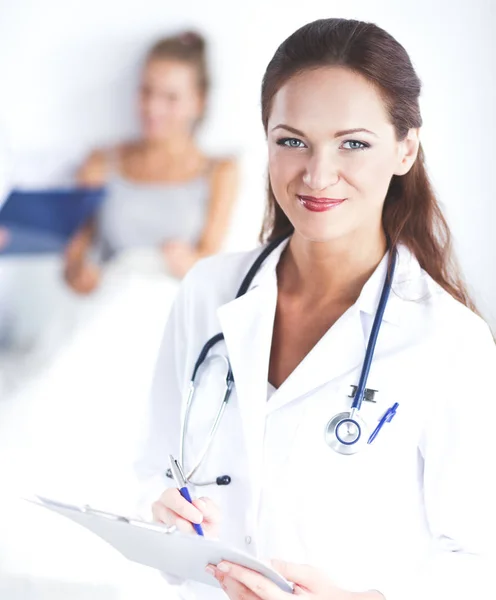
[
  {"x": 320, "y": 237},
  {"x": 322, "y": 231},
  {"x": 154, "y": 135}
]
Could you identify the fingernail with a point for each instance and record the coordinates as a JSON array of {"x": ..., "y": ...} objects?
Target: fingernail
[
  {"x": 223, "y": 567},
  {"x": 210, "y": 571},
  {"x": 201, "y": 504}
]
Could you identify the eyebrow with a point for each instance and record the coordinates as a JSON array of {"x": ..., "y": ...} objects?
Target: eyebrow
[{"x": 336, "y": 135}]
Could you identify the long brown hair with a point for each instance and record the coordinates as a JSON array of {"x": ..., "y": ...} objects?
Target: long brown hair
[{"x": 411, "y": 214}]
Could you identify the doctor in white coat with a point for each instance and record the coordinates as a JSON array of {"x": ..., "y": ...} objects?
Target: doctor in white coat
[{"x": 410, "y": 515}]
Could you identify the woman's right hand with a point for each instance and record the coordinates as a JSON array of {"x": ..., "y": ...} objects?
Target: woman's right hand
[
  {"x": 83, "y": 278},
  {"x": 80, "y": 274},
  {"x": 4, "y": 237},
  {"x": 172, "y": 509}
]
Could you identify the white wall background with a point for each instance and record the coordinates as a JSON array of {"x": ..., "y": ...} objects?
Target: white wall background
[{"x": 68, "y": 73}]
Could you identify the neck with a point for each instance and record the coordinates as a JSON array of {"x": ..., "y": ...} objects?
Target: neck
[
  {"x": 171, "y": 147},
  {"x": 335, "y": 271}
]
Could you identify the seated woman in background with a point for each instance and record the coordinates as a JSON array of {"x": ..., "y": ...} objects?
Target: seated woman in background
[
  {"x": 167, "y": 205},
  {"x": 162, "y": 190}
]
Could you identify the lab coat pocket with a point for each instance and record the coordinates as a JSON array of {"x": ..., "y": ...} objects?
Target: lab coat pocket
[
  {"x": 342, "y": 499},
  {"x": 346, "y": 478}
]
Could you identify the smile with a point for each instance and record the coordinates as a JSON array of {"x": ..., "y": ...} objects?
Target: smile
[{"x": 319, "y": 204}]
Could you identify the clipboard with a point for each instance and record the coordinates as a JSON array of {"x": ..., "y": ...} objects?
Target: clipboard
[
  {"x": 43, "y": 221},
  {"x": 160, "y": 547}
]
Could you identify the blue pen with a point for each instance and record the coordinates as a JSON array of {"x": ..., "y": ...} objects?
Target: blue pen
[
  {"x": 180, "y": 479},
  {"x": 386, "y": 418}
]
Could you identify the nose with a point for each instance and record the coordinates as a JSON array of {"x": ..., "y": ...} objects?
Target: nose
[
  {"x": 152, "y": 107},
  {"x": 320, "y": 172}
]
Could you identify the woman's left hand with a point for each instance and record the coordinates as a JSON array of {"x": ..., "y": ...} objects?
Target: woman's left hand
[
  {"x": 244, "y": 584},
  {"x": 180, "y": 257}
]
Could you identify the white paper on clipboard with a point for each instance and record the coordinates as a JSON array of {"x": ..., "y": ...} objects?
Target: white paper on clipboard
[{"x": 156, "y": 546}]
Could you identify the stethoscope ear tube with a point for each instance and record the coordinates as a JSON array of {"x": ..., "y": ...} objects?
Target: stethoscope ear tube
[
  {"x": 245, "y": 284},
  {"x": 216, "y": 423},
  {"x": 346, "y": 433},
  {"x": 374, "y": 333},
  {"x": 203, "y": 354},
  {"x": 222, "y": 480}
]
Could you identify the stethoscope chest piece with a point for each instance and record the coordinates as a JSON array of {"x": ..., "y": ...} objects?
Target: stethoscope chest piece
[{"x": 346, "y": 433}]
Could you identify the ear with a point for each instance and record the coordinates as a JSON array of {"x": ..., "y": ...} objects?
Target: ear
[{"x": 408, "y": 151}]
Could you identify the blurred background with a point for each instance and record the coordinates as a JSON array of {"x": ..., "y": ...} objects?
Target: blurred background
[{"x": 76, "y": 357}]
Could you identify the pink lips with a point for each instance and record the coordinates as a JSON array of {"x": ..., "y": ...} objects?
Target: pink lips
[{"x": 320, "y": 204}]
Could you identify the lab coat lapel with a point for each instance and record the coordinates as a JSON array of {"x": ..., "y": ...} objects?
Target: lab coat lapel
[
  {"x": 338, "y": 352},
  {"x": 342, "y": 349},
  {"x": 247, "y": 324}
]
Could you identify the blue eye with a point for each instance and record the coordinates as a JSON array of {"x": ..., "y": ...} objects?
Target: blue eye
[
  {"x": 356, "y": 145},
  {"x": 291, "y": 143}
]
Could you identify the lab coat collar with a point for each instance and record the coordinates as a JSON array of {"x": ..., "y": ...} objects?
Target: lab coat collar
[
  {"x": 407, "y": 270},
  {"x": 247, "y": 324}
]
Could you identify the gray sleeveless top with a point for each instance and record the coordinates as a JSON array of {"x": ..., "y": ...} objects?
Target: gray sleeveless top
[{"x": 143, "y": 215}]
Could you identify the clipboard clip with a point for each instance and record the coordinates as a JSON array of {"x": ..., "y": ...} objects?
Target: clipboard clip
[
  {"x": 161, "y": 527},
  {"x": 87, "y": 509},
  {"x": 101, "y": 513}
]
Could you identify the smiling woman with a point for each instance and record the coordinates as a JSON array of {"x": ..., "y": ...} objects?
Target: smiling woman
[
  {"x": 329, "y": 166},
  {"x": 164, "y": 194},
  {"x": 361, "y": 119},
  {"x": 355, "y": 291}
]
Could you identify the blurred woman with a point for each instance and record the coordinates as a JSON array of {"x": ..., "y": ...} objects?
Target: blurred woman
[
  {"x": 163, "y": 192},
  {"x": 167, "y": 205}
]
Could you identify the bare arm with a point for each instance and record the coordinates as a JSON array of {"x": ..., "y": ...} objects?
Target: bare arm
[
  {"x": 4, "y": 237},
  {"x": 180, "y": 257},
  {"x": 224, "y": 188},
  {"x": 79, "y": 274}
]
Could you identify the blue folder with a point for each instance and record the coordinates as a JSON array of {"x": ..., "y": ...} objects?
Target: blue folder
[{"x": 43, "y": 221}]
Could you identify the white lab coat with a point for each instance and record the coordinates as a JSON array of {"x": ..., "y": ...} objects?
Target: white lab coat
[{"x": 412, "y": 515}]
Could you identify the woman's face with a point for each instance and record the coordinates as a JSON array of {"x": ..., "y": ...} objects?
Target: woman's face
[
  {"x": 333, "y": 152},
  {"x": 170, "y": 101}
]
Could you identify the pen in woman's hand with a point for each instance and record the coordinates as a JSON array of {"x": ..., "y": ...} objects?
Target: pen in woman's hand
[{"x": 179, "y": 478}]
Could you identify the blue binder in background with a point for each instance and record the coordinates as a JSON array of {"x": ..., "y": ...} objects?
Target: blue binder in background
[{"x": 43, "y": 221}]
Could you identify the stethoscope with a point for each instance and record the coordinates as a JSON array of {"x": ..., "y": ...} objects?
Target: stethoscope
[{"x": 346, "y": 433}]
